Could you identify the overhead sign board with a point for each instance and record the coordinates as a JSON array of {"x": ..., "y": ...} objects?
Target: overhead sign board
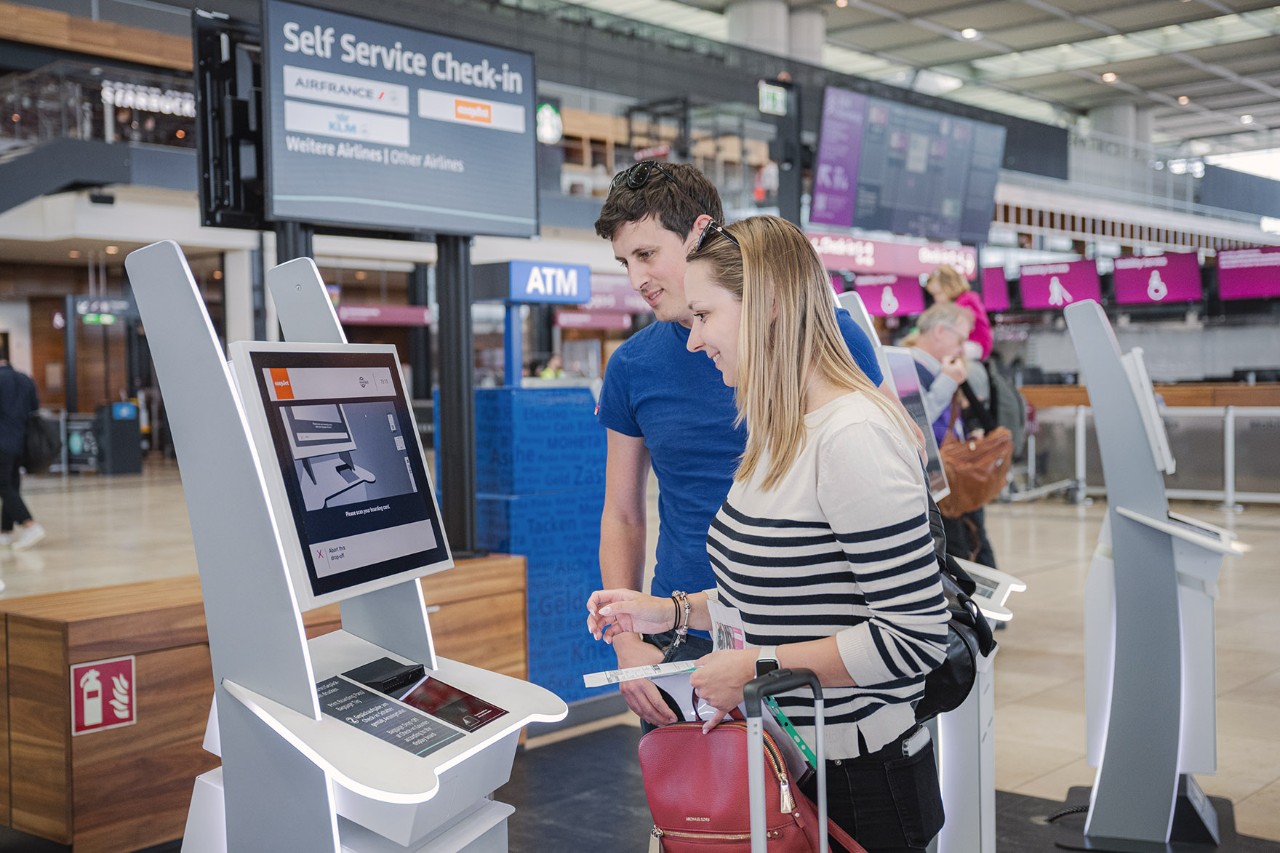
[
  {"x": 1059, "y": 285},
  {"x": 890, "y": 295},
  {"x": 856, "y": 254},
  {"x": 533, "y": 281},
  {"x": 1158, "y": 279},
  {"x": 1249, "y": 273},
  {"x": 380, "y": 126}
]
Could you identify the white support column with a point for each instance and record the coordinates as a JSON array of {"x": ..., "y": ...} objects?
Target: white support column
[
  {"x": 759, "y": 24},
  {"x": 807, "y": 34},
  {"x": 237, "y": 285}
]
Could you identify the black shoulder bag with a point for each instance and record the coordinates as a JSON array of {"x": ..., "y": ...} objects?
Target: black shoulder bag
[{"x": 969, "y": 634}]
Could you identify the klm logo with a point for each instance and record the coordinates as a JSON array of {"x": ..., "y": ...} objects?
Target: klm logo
[
  {"x": 552, "y": 281},
  {"x": 342, "y": 123}
]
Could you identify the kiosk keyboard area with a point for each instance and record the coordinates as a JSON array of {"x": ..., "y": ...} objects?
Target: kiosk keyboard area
[{"x": 363, "y": 738}]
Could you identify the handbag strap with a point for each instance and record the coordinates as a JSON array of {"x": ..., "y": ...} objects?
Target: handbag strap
[
  {"x": 984, "y": 416},
  {"x": 843, "y": 838}
]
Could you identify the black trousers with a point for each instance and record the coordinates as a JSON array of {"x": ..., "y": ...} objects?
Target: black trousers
[
  {"x": 888, "y": 802},
  {"x": 14, "y": 510}
]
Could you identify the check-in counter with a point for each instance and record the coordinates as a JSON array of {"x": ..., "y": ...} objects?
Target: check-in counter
[
  {"x": 1222, "y": 436},
  {"x": 129, "y": 787}
]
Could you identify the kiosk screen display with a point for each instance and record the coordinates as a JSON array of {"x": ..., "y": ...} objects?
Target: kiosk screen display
[
  {"x": 346, "y": 447},
  {"x": 906, "y": 381}
]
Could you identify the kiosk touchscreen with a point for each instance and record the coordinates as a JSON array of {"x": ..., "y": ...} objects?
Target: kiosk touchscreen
[
  {"x": 902, "y": 369},
  {"x": 343, "y": 466}
]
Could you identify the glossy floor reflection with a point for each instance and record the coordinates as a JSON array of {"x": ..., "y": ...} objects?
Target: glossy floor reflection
[{"x": 107, "y": 530}]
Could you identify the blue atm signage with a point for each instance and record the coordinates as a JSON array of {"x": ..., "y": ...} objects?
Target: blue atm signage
[{"x": 562, "y": 284}]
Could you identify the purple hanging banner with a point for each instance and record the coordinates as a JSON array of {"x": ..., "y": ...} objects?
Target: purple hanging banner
[
  {"x": 995, "y": 289},
  {"x": 1059, "y": 285},
  {"x": 890, "y": 295},
  {"x": 835, "y": 178},
  {"x": 1157, "y": 279},
  {"x": 1249, "y": 273}
]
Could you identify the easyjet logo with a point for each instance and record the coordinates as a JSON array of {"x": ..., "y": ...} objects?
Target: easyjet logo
[
  {"x": 280, "y": 381},
  {"x": 472, "y": 111}
]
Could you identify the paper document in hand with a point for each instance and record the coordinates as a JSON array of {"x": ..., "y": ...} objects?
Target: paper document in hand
[{"x": 615, "y": 676}]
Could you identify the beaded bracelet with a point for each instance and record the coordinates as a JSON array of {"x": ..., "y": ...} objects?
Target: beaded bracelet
[{"x": 682, "y": 625}]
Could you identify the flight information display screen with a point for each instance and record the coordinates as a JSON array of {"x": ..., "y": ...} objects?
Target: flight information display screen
[
  {"x": 887, "y": 166},
  {"x": 342, "y": 438}
]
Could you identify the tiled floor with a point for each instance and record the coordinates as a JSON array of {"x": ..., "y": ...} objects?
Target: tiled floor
[{"x": 105, "y": 530}]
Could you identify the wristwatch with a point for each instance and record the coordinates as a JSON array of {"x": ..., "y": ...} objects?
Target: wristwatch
[{"x": 767, "y": 660}]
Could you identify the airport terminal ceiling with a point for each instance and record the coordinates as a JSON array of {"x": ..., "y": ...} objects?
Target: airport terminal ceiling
[{"x": 1204, "y": 71}]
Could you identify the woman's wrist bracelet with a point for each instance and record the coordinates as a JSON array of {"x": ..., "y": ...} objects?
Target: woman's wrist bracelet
[{"x": 682, "y": 624}]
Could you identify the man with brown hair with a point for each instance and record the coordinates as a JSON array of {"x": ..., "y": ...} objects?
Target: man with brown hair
[{"x": 667, "y": 408}]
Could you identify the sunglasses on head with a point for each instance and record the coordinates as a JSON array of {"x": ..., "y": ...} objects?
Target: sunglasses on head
[
  {"x": 711, "y": 229},
  {"x": 634, "y": 177}
]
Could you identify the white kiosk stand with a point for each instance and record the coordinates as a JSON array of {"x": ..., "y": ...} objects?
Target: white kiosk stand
[
  {"x": 296, "y": 773},
  {"x": 964, "y": 738},
  {"x": 1149, "y": 625}
]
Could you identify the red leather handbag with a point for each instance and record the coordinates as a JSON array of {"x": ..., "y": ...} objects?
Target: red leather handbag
[{"x": 696, "y": 785}]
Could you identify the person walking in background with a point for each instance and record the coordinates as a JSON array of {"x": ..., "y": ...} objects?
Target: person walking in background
[
  {"x": 666, "y": 407},
  {"x": 17, "y": 401},
  {"x": 946, "y": 284},
  {"x": 822, "y": 547}
]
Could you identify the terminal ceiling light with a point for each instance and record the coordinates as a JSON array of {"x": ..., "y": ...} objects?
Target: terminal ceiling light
[
  {"x": 217, "y": 275},
  {"x": 1110, "y": 77},
  {"x": 112, "y": 250},
  {"x": 1183, "y": 100},
  {"x": 1246, "y": 119},
  {"x": 73, "y": 254},
  {"x": 361, "y": 275},
  {"x": 969, "y": 34},
  {"x": 842, "y": 3},
  {"x": 181, "y": 134}
]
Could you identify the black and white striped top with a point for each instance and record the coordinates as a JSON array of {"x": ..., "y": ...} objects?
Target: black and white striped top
[{"x": 840, "y": 547}]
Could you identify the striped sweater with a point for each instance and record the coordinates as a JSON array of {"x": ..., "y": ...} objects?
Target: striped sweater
[{"x": 841, "y": 547}]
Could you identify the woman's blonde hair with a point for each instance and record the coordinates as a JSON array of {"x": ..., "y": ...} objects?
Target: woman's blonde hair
[
  {"x": 788, "y": 337},
  {"x": 949, "y": 281}
]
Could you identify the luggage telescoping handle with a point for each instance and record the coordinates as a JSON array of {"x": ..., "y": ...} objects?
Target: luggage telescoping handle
[{"x": 753, "y": 693}]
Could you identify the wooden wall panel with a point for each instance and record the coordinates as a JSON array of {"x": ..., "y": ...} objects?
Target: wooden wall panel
[
  {"x": 4, "y": 722},
  {"x": 39, "y": 723},
  {"x": 29, "y": 25},
  {"x": 132, "y": 786},
  {"x": 100, "y": 358}
]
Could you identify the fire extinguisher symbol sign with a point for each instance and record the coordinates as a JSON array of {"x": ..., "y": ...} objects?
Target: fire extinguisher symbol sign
[{"x": 103, "y": 695}]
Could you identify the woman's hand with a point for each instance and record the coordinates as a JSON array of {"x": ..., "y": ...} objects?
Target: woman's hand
[
  {"x": 617, "y": 611},
  {"x": 719, "y": 679}
]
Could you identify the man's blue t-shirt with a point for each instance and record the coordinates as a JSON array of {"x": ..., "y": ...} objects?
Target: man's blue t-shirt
[{"x": 655, "y": 389}]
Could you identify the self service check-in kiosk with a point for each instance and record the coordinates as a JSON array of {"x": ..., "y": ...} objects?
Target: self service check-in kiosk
[
  {"x": 305, "y": 485},
  {"x": 964, "y": 737},
  {"x": 1149, "y": 622}
]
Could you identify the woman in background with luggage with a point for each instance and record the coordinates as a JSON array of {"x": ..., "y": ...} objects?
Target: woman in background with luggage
[{"x": 823, "y": 544}]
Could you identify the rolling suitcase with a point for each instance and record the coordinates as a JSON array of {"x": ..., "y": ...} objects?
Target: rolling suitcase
[{"x": 754, "y": 693}]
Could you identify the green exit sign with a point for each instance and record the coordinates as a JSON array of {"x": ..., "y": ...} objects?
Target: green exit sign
[{"x": 773, "y": 99}]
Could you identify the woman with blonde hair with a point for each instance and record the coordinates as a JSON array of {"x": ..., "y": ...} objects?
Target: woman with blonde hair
[
  {"x": 946, "y": 284},
  {"x": 822, "y": 546}
]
